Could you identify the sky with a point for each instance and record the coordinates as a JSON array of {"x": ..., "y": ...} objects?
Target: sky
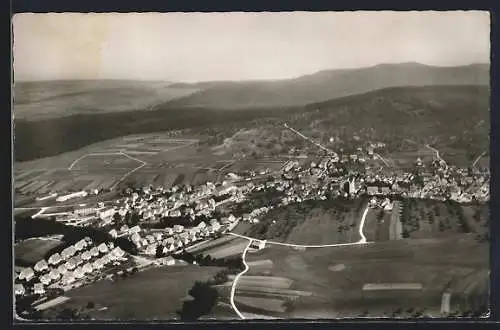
[{"x": 191, "y": 47}]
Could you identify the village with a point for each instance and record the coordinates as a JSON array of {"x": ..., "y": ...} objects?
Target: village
[{"x": 160, "y": 223}]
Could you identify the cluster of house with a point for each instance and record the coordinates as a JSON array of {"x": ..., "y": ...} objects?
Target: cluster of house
[
  {"x": 65, "y": 268},
  {"x": 384, "y": 203},
  {"x": 172, "y": 239}
]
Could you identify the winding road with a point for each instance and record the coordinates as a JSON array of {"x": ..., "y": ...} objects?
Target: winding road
[
  {"x": 437, "y": 154},
  {"x": 362, "y": 240},
  {"x": 478, "y": 158}
]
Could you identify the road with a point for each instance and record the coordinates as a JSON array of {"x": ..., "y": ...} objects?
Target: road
[
  {"x": 381, "y": 158},
  {"x": 308, "y": 139},
  {"x": 235, "y": 281},
  {"x": 437, "y": 154},
  {"x": 477, "y": 159},
  {"x": 361, "y": 241}
]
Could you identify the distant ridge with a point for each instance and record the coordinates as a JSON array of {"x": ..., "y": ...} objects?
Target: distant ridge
[{"x": 325, "y": 85}]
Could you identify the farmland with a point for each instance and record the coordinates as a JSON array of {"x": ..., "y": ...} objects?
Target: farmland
[
  {"x": 312, "y": 222},
  {"x": 157, "y": 159},
  {"x": 429, "y": 218},
  {"x": 328, "y": 282},
  {"x": 32, "y": 250},
  {"x": 383, "y": 225},
  {"x": 154, "y": 294}
]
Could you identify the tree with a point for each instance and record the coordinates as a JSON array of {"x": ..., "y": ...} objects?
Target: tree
[
  {"x": 159, "y": 251},
  {"x": 117, "y": 218}
]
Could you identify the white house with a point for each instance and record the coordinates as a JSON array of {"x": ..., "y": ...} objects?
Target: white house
[
  {"x": 258, "y": 244},
  {"x": 134, "y": 230},
  {"x": 68, "y": 252},
  {"x": 98, "y": 264},
  {"x": 27, "y": 274},
  {"x": 117, "y": 252},
  {"x": 80, "y": 245},
  {"x": 87, "y": 268},
  {"x": 45, "y": 279},
  {"x": 54, "y": 274},
  {"x": 86, "y": 256},
  {"x": 113, "y": 233},
  {"x": 78, "y": 259},
  {"x": 68, "y": 278},
  {"x": 55, "y": 259},
  {"x": 151, "y": 249},
  {"x": 72, "y": 195},
  {"x": 70, "y": 264},
  {"x": 107, "y": 213},
  {"x": 78, "y": 273},
  {"x": 38, "y": 288},
  {"x": 19, "y": 289},
  {"x": 41, "y": 266},
  {"x": 103, "y": 248},
  {"x": 62, "y": 269},
  {"x": 94, "y": 252}
]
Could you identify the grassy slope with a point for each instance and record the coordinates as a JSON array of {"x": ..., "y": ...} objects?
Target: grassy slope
[
  {"x": 435, "y": 114},
  {"x": 328, "y": 84},
  {"x": 432, "y": 262},
  {"x": 53, "y": 99},
  {"x": 153, "y": 294}
]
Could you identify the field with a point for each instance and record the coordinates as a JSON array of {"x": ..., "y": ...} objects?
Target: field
[
  {"x": 312, "y": 222},
  {"x": 231, "y": 248},
  {"x": 153, "y": 294},
  {"x": 383, "y": 225},
  {"x": 52, "y": 99},
  {"x": 407, "y": 159},
  {"x": 31, "y": 251},
  {"x": 328, "y": 282},
  {"x": 159, "y": 159},
  {"x": 429, "y": 218}
]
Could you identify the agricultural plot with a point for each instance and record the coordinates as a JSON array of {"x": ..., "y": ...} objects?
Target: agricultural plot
[
  {"x": 383, "y": 225},
  {"x": 233, "y": 248},
  {"x": 155, "y": 294},
  {"x": 412, "y": 273},
  {"x": 407, "y": 159},
  {"x": 313, "y": 222},
  {"x": 98, "y": 162},
  {"x": 31, "y": 251},
  {"x": 430, "y": 218}
]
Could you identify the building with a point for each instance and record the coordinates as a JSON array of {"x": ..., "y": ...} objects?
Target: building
[
  {"x": 113, "y": 233},
  {"x": 55, "y": 259},
  {"x": 71, "y": 196},
  {"x": 86, "y": 256},
  {"x": 106, "y": 213},
  {"x": 45, "y": 279},
  {"x": 68, "y": 252},
  {"x": 38, "y": 288},
  {"x": 26, "y": 274},
  {"x": 41, "y": 266},
  {"x": 80, "y": 245},
  {"x": 19, "y": 289},
  {"x": 258, "y": 244},
  {"x": 103, "y": 248},
  {"x": 117, "y": 252},
  {"x": 61, "y": 269},
  {"x": 94, "y": 252}
]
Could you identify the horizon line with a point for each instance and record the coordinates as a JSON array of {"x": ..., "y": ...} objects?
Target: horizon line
[{"x": 247, "y": 80}]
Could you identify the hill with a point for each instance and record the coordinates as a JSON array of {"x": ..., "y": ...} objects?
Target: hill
[
  {"x": 444, "y": 114},
  {"x": 52, "y": 99},
  {"x": 326, "y": 85}
]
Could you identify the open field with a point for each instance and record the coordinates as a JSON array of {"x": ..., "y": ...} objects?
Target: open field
[
  {"x": 153, "y": 294},
  {"x": 407, "y": 159},
  {"x": 434, "y": 264},
  {"x": 429, "y": 218},
  {"x": 232, "y": 248},
  {"x": 52, "y": 99},
  {"x": 156, "y": 159},
  {"x": 31, "y": 251},
  {"x": 312, "y": 222}
]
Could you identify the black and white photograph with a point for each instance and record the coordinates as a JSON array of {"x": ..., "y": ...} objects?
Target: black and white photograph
[{"x": 251, "y": 166}]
